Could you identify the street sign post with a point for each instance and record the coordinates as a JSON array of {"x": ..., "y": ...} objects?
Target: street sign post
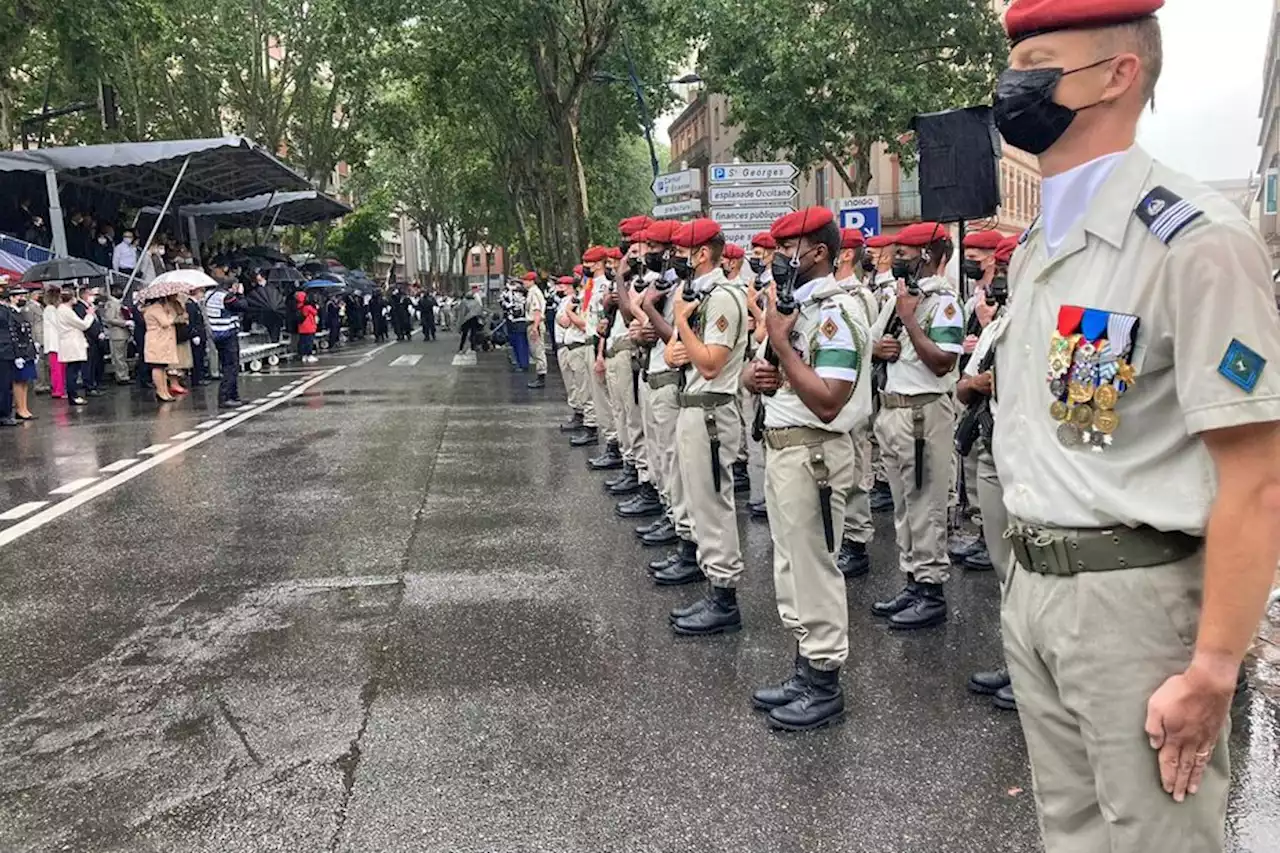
[
  {"x": 725, "y": 195},
  {"x": 862, "y": 213},
  {"x": 688, "y": 207},
  {"x": 761, "y": 215},
  {"x": 678, "y": 183},
  {"x": 740, "y": 236},
  {"x": 736, "y": 173}
]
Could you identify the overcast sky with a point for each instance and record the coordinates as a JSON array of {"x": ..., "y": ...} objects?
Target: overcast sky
[{"x": 1206, "y": 120}]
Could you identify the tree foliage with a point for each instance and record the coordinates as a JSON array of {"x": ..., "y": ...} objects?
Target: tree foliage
[
  {"x": 357, "y": 241},
  {"x": 847, "y": 74}
]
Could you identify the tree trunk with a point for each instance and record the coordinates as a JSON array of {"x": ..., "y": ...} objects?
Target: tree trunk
[{"x": 575, "y": 181}]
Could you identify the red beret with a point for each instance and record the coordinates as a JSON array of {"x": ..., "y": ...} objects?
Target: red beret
[
  {"x": 987, "y": 240},
  {"x": 699, "y": 232},
  {"x": 880, "y": 241},
  {"x": 614, "y": 253},
  {"x": 921, "y": 234},
  {"x": 733, "y": 251},
  {"x": 764, "y": 240},
  {"x": 661, "y": 231},
  {"x": 1028, "y": 18},
  {"x": 530, "y": 276},
  {"x": 800, "y": 222},
  {"x": 1004, "y": 252},
  {"x": 577, "y": 270},
  {"x": 565, "y": 279},
  {"x": 594, "y": 255},
  {"x": 633, "y": 225},
  {"x": 851, "y": 238}
]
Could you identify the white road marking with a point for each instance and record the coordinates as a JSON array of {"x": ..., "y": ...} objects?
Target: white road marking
[
  {"x": 276, "y": 394},
  {"x": 22, "y": 510},
  {"x": 207, "y": 424},
  {"x": 116, "y": 467},
  {"x": 260, "y": 401},
  {"x": 246, "y": 407},
  {"x": 183, "y": 436},
  {"x": 73, "y": 486},
  {"x": 228, "y": 416},
  {"x": 406, "y": 361},
  {"x": 45, "y": 516},
  {"x": 152, "y": 450}
]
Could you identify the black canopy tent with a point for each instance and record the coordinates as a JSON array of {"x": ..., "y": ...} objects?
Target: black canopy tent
[
  {"x": 182, "y": 172},
  {"x": 283, "y": 208}
]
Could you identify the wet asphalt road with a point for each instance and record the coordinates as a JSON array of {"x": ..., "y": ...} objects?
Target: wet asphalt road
[{"x": 393, "y": 612}]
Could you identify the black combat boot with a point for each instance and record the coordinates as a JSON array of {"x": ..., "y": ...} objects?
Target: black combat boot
[
  {"x": 610, "y": 460},
  {"x": 881, "y": 497},
  {"x": 651, "y": 526},
  {"x": 960, "y": 545},
  {"x": 664, "y": 535},
  {"x": 684, "y": 570},
  {"x": 538, "y": 382},
  {"x": 821, "y": 703},
  {"x": 899, "y": 602},
  {"x": 987, "y": 683},
  {"x": 768, "y": 698},
  {"x": 718, "y": 615},
  {"x": 741, "y": 480},
  {"x": 586, "y": 437},
  {"x": 613, "y": 479},
  {"x": 1003, "y": 699},
  {"x": 758, "y": 509},
  {"x": 573, "y": 424},
  {"x": 672, "y": 559},
  {"x": 628, "y": 485},
  {"x": 646, "y": 503},
  {"x": 853, "y": 561},
  {"x": 979, "y": 559},
  {"x": 929, "y": 609}
]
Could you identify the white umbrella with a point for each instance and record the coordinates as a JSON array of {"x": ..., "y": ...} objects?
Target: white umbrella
[{"x": 174, "y": 282}]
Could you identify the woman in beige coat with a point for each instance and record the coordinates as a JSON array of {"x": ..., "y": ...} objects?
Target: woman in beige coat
[
  {"x": 160, "y": 350},
  {"x": 184, "y": 363}
]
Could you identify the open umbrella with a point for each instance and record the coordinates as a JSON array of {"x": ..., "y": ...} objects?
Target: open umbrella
[
  {"x": 357, "y": 280},
  {"x": 328, "y": 276},
  {"x": 282, "y": 273},
  {"x": 62, "y": 269},
  {"x": 175, "y": 282},
  {"x": 268, "y": 253},
  {"x": 325, "y": 284}
]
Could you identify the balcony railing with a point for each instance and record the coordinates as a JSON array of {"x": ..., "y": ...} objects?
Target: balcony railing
[{"x": 899, "y": 207}]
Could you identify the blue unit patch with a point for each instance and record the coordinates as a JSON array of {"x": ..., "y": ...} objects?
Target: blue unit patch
[{"x": 1242, "y": 366}]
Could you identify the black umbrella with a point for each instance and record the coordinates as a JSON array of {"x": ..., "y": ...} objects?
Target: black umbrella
[
  {"x": 327, "y": 276},
  {"x": 283, "y": 273},
  {"x": 270, "y": 254},
  {"x": 62, "y": 269},
  {"x": 321, "y": 284}
]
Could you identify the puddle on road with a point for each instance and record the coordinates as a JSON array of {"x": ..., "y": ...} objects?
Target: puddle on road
[{"x": 177, "y": 731}]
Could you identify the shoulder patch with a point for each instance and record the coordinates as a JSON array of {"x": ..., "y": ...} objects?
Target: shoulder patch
[
  {"x": 829, "y": 328},
  {"x": 950, "y": 311},
  {"x": 722, "y": 323},
  {"x": 1242, "y": 366},
  {"x": 1166, "y": 213}
]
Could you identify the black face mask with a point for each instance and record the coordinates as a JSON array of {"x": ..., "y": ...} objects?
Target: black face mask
[
  {"x": 682, "y": 269},
  {"x": 653, "y": 260},
  {"x": 624, "y": 247},
  {"x": 972, "y": 269},
  {"x": 789, "y": 273},
  {"x": 635, "y": 266},
  {"x": 907, "y": 270},
  {"x": 1026, "y": 113},
  {"x": 757, "y": 265},
  {"x": 868, "y": 265}
]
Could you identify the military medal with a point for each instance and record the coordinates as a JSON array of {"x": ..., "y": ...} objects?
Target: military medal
[
  {"x": 1069, "y": 435},
  {"x": 1106, "y": 421},
  {"x": 1058, "y": 388},
  {"x": 1059, "y": 410},
  {"x": 1079, "y": 392},
  {"x": 1082, "y": 416},
  {"x": 1106, "y": 397}
]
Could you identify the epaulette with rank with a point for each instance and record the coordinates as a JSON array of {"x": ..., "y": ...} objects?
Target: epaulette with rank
[{"x": 1166, "y": 213}]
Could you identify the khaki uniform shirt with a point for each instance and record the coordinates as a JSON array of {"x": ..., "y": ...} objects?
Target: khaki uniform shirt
[
  {"x": 1198, "y": 278},
  {"x": 595, "y": 308},
  {"x": 721, "y": 320},
  {"x": 942, "y": 319},
  {"x": 868, "y": 308},
  {"x": 831, "y": 335},
  {"x": 535, "y": 304},
  {"x": 568, "y": 333},
  {"x": 986, "y": 340}
]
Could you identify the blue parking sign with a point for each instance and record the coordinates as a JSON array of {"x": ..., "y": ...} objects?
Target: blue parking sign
[
  {"x": 718, "y": 173},
  {"x": 861, "y": 213}
]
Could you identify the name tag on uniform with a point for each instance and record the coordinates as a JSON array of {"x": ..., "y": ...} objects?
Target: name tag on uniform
[{"x": 1090, "y": 369}]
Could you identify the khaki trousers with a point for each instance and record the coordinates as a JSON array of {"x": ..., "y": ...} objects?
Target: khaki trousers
[
  {"x": 715, "y": 522},
  {"x": 120, "y": 359},
  {"x": 812, "y": 601},
  {"x": 569, "y": 370},
  {"x": 599, "y": 393},
  {"x": 920, "y": 517},
  {"x": 969, "y": 468},
  {"x": 622, "y": 406},
  {"x": 664, "y": 410},
  {"x": 857, "y": 509},
  {"x": 877, "y": 460},
  {"x": 584, "y": 369},
  {"x": 538, "y": 352},
  {"x": 995, "y": 518},
  {"x": 1086, "y": 653}
]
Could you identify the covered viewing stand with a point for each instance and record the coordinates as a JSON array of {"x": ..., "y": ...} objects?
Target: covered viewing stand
[{"x": 282, "y": 208}]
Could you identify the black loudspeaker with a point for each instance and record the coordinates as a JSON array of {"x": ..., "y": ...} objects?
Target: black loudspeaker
[{"x": 959, "y": 164}]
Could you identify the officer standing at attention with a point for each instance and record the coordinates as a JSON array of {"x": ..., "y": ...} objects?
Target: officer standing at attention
[
  {"x": 880, "y": 280},
  {"x": 919, "y": 335},
  {"x": 821, "y": 340},
  {"x": 536, "y": 306},
  {"x": 571, "y": 352},
  {"x": 710, "y": 345},
  {"x": 593, "y": 294},
  {"x": 1137, "y": 444},
  {"x": 854, "y": 561},
  {"x": 973, "y": 391}
]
